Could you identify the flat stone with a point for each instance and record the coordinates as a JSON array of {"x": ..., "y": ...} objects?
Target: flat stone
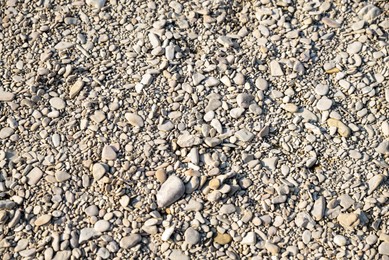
[
  {"x": 272, "y": 248},
  {"x": 354, "y": 48},
  {"x": 330, "y": 22},
  {"x": 92, "y": 210},
  {"x": 63, "y": 255},
  {"x": 169, "y": 52},
  {"x": 76, "y": 88},
  {"x": 87, "y": 233},
  {"x": 178, "y": 255},
  {"x": 161, "y": 175},
  {"x": 222, "y": 239},
  {"x": 108, "y": 153},
  {"x": 42, "y": 220},
  {"x": 188, "y": 140},
  {"x": 62, "y": 176},
  {"x": 290, "y": 107},
  {"x": 134, "y": 119},
  {"x": 34, "y": 176},
  {"x": 102, "y": 225},
  {"x": 6, "y": 96},
  {"x": 193, "y": 205},
  {"x": 236, "y": 112},
  {"x": 130, "y": 241},
  {"x": 166, "y": 127},
  {"x": 375, "y": 182},
  {"x": 6, "y": 132},
  {"x": 271, "y": 163},
  {"x": 192, "y": 236},
  {"x": 348, "y": 220},
  {"x": 244, "y": 135},
  {"x": 319, "y": 208},
  {"x": 383, "y": 248},
  {"x": 167, "y": 233},
  {"x": 369, "y": 12},
  {"x": 98, "y": 171},
  {"x": 171, "y": 191},
  {"x": 383, "y": 147},
  {"x": 64, "y": 45},
  {"x": 275, "y": 69},
  {"x": 96, "y": 3},
  {"x": 261, "y": 83},
  {"x": 322, "y": 89},
  {"x": 98, "y": 116},
  {"x": 227, "y": 209},
  {"x": 57, "y": 103}
]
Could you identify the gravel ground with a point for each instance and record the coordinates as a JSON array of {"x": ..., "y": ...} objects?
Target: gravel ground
[{"x": 194, "y": 129}]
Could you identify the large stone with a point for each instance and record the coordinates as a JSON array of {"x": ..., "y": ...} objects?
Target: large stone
[
  {"x": 171, "y": 191},
  {"x": 130, "y": 241},
  {"x": 134, "y": 119}
]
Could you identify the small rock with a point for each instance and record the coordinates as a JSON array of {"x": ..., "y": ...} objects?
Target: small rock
[
  {"x": 383, "y": 147},
  {"x": 42, "y": 220},
  {"x": 227, "y": 209},
  {"x": 130, "y": 241},
  {"x": 6, "y": 96},
  {"x": 169, "y": 52},
  {"x": 324, "y": 104},
  {"x": 261, "y": 83},
  {"x": 244, "y": 135},
  {"x": 236, "y": 112},
  {"x": 275, "y": 69},
  {"x": 383, "y": 248},
  {"x": 167, "y": 233},
  {"x": 57, "y": 103},
  {"x": 92, "y": 210},
  {"x": 354, "y": 48},
  {"x": 244, "y": 100},
  {"x": 192, "y": 236},
  {"x": 102, "y": 225},
  {"x": 188, "y": 140},
  {"x": 375, "y": 182},
  {"x": 222, "y": 239},
  {"x": 161, "y": 175},
  {"x": 96, "y": 3},
  {"x": 171, "y": 191},
  {"x": 321, "y": 89},
  {"x": 250, "y": 239},
  {"x": 134, "y": 119},
  {"x": 64, "y": 45},
  {"x": 348, "y": 220},
  {"x": 76, "y": 88},
  {"x": 87, "y": 233},
  {"x": 330, "y": 22},
  {"x": 369, "y": 12},
  {"x": 271, "y": 163},
  {"x": 166, "y": 127},
  {"x": 62, "y": 176},
  {"x": 319, "y": 208},
  {"x": 98, "y": 171},
  {"x": 34, "y": 176},
  {"x": 108, "y": 153},
  {"x": 272, "y": 248},
  {"x": 290, "y": 107},
  {"x": 6, "y": 132},
  {"x": 340, "y": 240}
]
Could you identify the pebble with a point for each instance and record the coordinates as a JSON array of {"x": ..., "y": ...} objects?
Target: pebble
[
  {"x": 324, "y": 104},
  {"x": 188, "y": 140},
  {"x": 375, "y": 182},
  {"x": 76, "y": 88},
  {"x": 134, "y": 119},
  {"x": 244, "y": 100},
  {"x": 354, "y": 48},
  {"x": 96, "y": 3},
  {"x": 222, "y": 239},
  {"x": 348, "y": 220},
  {"x": 330, "y": 22},
  {"x": 192, "y": 236},
  {"x": 319, "y": 208},
  {"x": 6, "y": 96},
  {"x": 98, "y": 171},
  {"x": 42, "y": 220},
  {"x": 102, "y": 225},
  {"x": 34, "y": 176},
  {"x": 86, "y": 234},
  {"x": 171, "y": 191},
  {"x": 62, "y": 176},
  {"x": 340, "y": 240},
  {"x": 290, "y": 107},
  {"x": 322, "y": 89},
  {"x": 92, "y": 210},
  {"x": 244, "y": 135},
  {"x": 369, "y": 12},
  {"x": 275, "y": 69},
  {"x": 227, "y": 209},
  {"x": 57, "y": 103},
  {"x": 237, "y": 112},
  {"x": 167, "y": 233},
  {"x": 261, "y": 83},
  {"x": 130, "y": 241},
  {"x": 161, "y": 175},
  {"x": 383, "y": 248},
  {"x": 250, "y": 239},
  {"x": 108, "y": 153},
  {"x": 6, "y": 132},
  {"x": 272, "y": 248}
]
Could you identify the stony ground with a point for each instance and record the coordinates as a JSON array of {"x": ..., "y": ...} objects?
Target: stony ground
[{"x": 194, "y": 129}]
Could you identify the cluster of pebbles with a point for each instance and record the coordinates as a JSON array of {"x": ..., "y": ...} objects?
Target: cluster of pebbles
[{"x": 194, "y": 129}]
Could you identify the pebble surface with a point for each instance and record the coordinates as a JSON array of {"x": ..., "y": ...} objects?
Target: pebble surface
[{"x": 194, "y": 129}]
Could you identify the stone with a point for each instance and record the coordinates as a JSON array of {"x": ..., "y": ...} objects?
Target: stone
[
  {"x": 169, "y": 52},
  {"x": 188, "y": 140},
  {"x": 134, "y": 119},
  {"x": 166, "y": 127},
  {"x": 222, "y": 239},
  {"x": 6, "y": 96},
  {"x": 227, "y": 209},
  {"x": 330, "y": 22},
  {"x": 369, "y": 12},
  {"x": 64, "y": 45},
  {"x": 76, "y": 88},
  {"x": 193, "y": 205},
  {"x": 34, "y": 176},
  {"x": 324, "y": 104},
  {"x": 383, "y": 147},
  {"x": 290, "y": 107},
  {"x": 167, "y": 233},
  {"x": 130, "y": 241},
  {"x": 244, "y": 100},
  {"x": 63, "y": 255},
  {"x": 348, "y": 220},
  {"x": 343, "y": 130},
  {"x": 42, "y": 220},
  {"x": 272, "y": 248},
  {"x": 86, "y": 234},
  {"x": 261, "y": 83},
  {"x": 319, "y": 208},
  {"x": 275, "y": 69},
  {"x": 108, "y": 153},
  {"x": 92, "y": 210},
  {"x": 250, "y": 239},
  {"x": 6, "y": 132},
  {"x": 98, "y": 171},
  {"x": 383, "y": 248},
  {"x": 340, "y": 240},
  {"x": 21, "y": 245},
  {"x": 161, "y": 175},
  {"x": 270, "y": 163},
  {"x": 346, "y": 201},
  {"x": 236, "y": 112},
  {"x": 354, "y": 48},
  {"x": 244, "y": 135},
  {"x": 192, "y": 236},
  {"x": 178, "y": 255},
  {"x": 375, "y": 182},
  {"x": 102, "y": 225},
  {"x": 57, "y": 103},
  {"x": 62, "y": 176},
  {"x": 171, "y": 191},
  {"x": 96, "y": 3}
]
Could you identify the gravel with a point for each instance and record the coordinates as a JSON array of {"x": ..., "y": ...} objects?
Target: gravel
[{"x": 194, "y": 129}]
